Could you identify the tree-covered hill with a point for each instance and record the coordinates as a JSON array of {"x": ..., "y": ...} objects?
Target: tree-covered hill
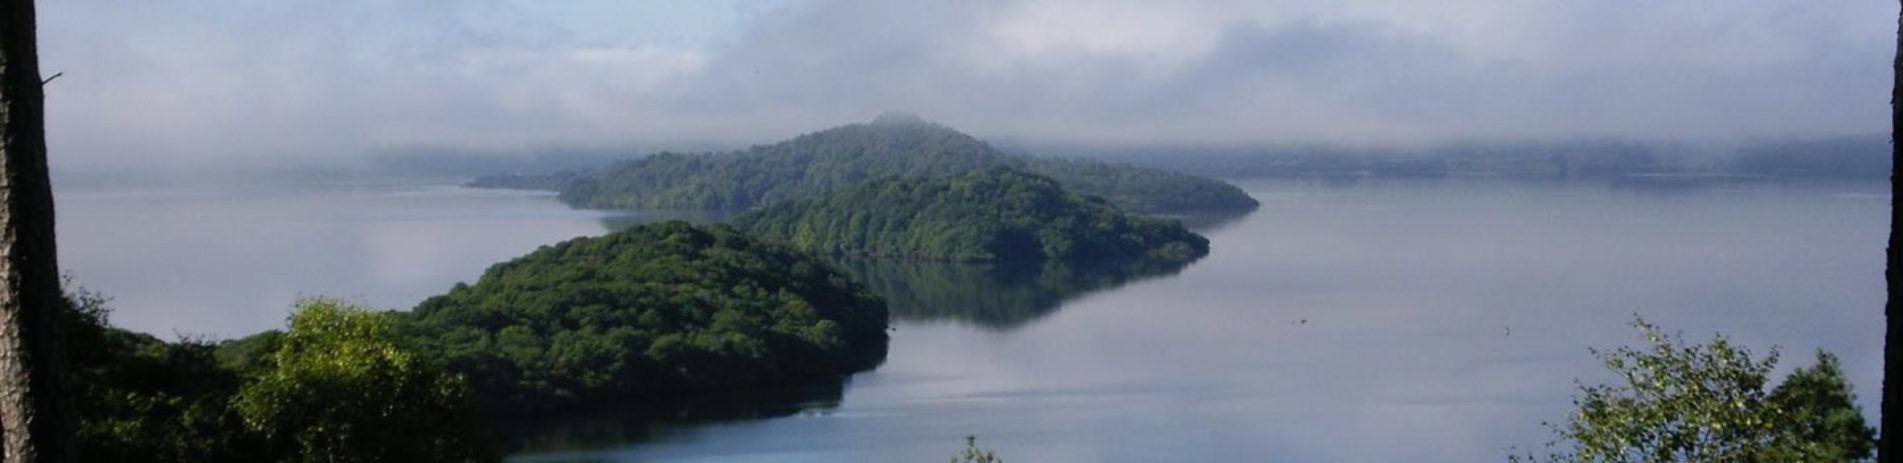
[
  {"x": 839, "y": 157},
  {"x": 988, "y": 215},
  {"x": 656, "y": 308}
]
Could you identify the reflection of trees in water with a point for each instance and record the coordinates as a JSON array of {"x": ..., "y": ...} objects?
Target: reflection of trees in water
[
  {"x": 998, "y": 296},
  {"x": 1206, "y": 222},
  {"x": 634, "y": 422}
]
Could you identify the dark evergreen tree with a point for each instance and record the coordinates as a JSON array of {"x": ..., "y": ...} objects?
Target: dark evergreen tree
[
  {"x": 35, "y": 421},
  {"x": 1890, "y": 450}
]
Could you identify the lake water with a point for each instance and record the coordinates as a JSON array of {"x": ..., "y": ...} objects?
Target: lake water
[{"x": 1343, "y": 321}]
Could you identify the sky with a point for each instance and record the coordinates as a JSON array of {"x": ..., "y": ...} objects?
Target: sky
[{"x": 163, "y": 85}]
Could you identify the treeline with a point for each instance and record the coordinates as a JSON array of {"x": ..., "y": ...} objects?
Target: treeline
[
  {"x": 839, "y": 157},
  {"x": 1848, "y": 158},
  {"x": 655, "y": 309},
  {"x": 994, "y": 214}
]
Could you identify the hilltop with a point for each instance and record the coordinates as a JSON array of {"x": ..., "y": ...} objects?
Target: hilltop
[{"x": 892, "y": 144}]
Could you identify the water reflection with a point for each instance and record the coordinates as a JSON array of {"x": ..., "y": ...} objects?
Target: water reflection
[
  {"x": 1210, "y": 222},
  {"x": 578, "y": 436},
  {"x": 1407, "y": 287},
  {"x": 999, "y": 296}
]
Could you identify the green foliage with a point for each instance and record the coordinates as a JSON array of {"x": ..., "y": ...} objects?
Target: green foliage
[
  {"x": 843, "y": 156},
  {"x": 986, "y": 215},
  {"x": 336, "y": 388},
  {"x": 656, "y": 308},
  {"x": 1708, "y": 402},
  {"x": 340, "y": 386},
  {"x": 973, "y": 454},
  {"x": 1823, "y": 423},
  {"x": 142, "y": 399}
]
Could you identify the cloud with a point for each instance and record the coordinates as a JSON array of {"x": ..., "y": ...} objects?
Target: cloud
[{"x": 227, "y": 81}]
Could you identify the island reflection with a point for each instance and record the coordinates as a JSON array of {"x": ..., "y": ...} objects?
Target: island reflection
[
  {"x": 585, "y": 434},
  {"x": 994, "y": 296},
  {"x": 997, "y": 296}
]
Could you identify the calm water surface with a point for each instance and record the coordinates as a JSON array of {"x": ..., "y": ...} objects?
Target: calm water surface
[
  {"x": 1372, "y": 321},
  {"x": 226, "y": 261}
]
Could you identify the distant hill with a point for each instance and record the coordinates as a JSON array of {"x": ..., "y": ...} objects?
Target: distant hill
[
  {"x": 1866, "y": 157},
  {"x": 1854, "y": 157},
  {"x": 995, "y": 214},
  {"x": 893, "y": 144}
]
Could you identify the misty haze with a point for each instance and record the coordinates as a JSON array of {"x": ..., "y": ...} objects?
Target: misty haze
[{"x": 1060, "y": 231}]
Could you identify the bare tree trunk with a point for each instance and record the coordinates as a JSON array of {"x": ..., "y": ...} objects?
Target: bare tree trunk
[
  {"x": 35, "y": 424},
  {"x": 1892, "y": 408}
]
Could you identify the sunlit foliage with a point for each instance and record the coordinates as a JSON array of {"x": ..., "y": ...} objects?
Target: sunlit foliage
[
  {"x": 341, "y": 386},
  {"x": 1680, "y": 402},
  {"x": 337, "y": 387}
]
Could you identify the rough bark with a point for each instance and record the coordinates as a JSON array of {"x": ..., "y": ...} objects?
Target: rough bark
[
  {"x": 1892, "y": 408},
  {"x": 35, "y": 424}
]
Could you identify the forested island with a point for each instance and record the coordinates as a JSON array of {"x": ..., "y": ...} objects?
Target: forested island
[
  {"x": 893, "y": 144},
  {"x": 655, "y": 309},
  {"x": 659, "y": 308},
  {"x": 995, "y": 214}
]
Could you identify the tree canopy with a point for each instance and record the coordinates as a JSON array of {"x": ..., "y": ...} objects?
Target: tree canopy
[
  {"x": 994, "y": 214},
  {"x": 656, "y": 308},
  {"x": 341, "y": 385},
  {"x": 1707, "y": 402},
  {"x": 839, "y": 157},
  {"x": 138, "y": 398},
  {"x": 338, "y": 386}
]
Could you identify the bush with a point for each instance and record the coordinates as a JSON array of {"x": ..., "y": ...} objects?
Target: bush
[
  {"x": 1707, "y": 402},
  {"x": 340, "y": 386}
]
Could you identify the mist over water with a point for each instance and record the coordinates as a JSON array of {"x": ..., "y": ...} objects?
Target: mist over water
[
  {"x": 226, "y": 261},
  {"x": 1343, "y": 321}
]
